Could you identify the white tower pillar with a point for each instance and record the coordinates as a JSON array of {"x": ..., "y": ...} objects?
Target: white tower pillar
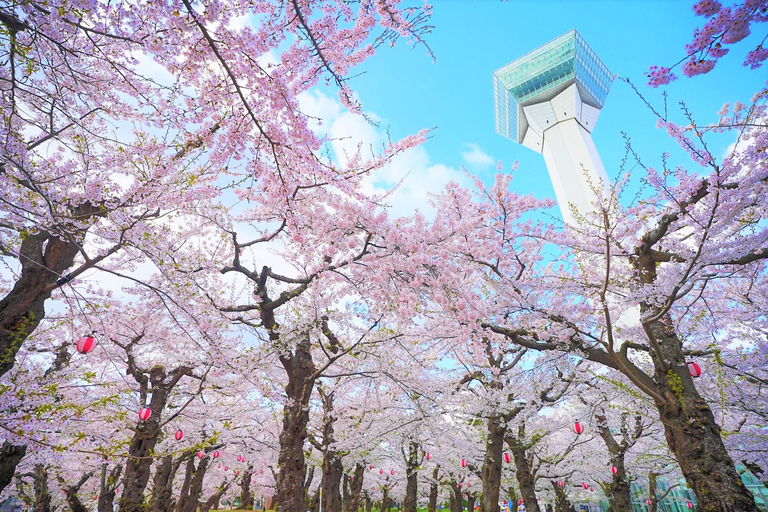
[{"x": 549, "y": 101}]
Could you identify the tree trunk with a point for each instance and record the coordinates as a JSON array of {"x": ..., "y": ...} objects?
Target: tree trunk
[
  {"x": 44, "y": 258},
  {"x": 246, "y": 496},
  {"x": 356, "y": 488},
  {"x": 314, "y": 502},
  {"x": 108, "y": 486},
  {"x": 491, "y": 475},
  {"x": 42, "y": 494},
  {"x": 213, "y": 501},
  {"x": 654, "y": 504},
  {"x": 412, "y": 463},
  {"x": 523, "y": 471},
  {"x": 618, "y": 489},
  {"x": 433, "y": 490},
  {"x": 457, "y": 505},
  {"x": 332, "y": 473},
  {"x": 562, "y": 503},
  {"x": 71, "y": 491},
  {"x": 689, "y": 425},
  {"x": 385, "y": 500},
  {"x": 137, "y": 468},
  {"x": 192, "y": 498},
  {"x": 290, "y": 480},
  {"x": 471, "y": 502},
  {"x": 161, "y": 491},
  {"x": 189, "y": 472},
  {"x": 10, "y": 456}
]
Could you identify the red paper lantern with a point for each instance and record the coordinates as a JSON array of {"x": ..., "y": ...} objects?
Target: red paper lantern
[
  {"x": 560, "y": 483},
  {"x": 614, "y": 469},
  {"x": 694, "y": 369},
  {"x": 459, "y": 485},
  {"x": 216, "y": 454},
  {"x": 428, "y": 456},
  {"x": 370, "y": 467},
  {"x": 585, "y": 485},
  {"x": 237, "y": 472},
  {"x": 226, "y": 468},
  {"x": 648, "y": 501},
  {"x": 179, "y": 435},
  {"x": 391, "y": 471},
  {"x": 577, "y": 428},
  {"x": 219, "y": 466},
  {"x": 463, "y": 463},
  {"x": 507, "y": 458},
  {"x": 85, "y": 344},
  {"x": 145, "y": 413},
  {"x": 200, "y": 454},
  {"x": 469, "y": 484},
  {"x": 381, "y": 471},
  {"x": 591, "y": 489},
  {"x": 238, "y": 458},
  {"x": 520, "y": 501},
  {"x": 689, "y": 505}
]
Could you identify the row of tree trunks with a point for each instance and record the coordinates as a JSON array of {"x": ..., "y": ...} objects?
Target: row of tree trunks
[{"x": 188, "y": 501}]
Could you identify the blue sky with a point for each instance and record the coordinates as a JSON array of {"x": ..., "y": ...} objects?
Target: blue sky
[{"x": 407, "y": 91}]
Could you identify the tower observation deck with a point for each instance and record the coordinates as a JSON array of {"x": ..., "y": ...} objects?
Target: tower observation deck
[{"x": 549, "y": 100}]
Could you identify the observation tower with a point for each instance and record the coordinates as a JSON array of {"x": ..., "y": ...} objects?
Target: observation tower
[{"x": 549, "y": 100}]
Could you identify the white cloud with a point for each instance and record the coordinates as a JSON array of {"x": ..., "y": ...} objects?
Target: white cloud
[{"x": 475, "y": 157}]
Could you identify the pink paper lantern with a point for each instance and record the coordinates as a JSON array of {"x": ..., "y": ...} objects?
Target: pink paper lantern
[
  {"x": 689, "y": 504},
  {"x": 85, "y": 344},
  {"x": 614, "y": 469},
  {"x": 577, "y": 428},
  {"x": 391, "y": 471},
  {"x": 591, "y": 489},
  {"x": 585, "y": 485},
  {"x": 381, "y": 471},
  {"x": 507, "y": 458},
  {"x": 648, "y": 501},
  {"x": 216, "y": 454},
  {"x": 200, "y": 454},
  {"x": 463, "y": 463},
  {"x": 428, "y": 456},
  {"x": 560, "y": 483},
  {"x": 179, "y": 435},
  {"x": 145, "y": 413}
]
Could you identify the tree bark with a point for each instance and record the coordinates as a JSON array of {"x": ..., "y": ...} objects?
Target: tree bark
[
  {"x": 385, "y": 499},
  {"x": 42, "y": 501},
  {"x": 10, "y": 456},
  {"x": 192, "y": 498},
  {"x": 457, "y": 505},
  {"x": 108, "y": 486},
  {"x": 246, "y": 496},
  {"x": 189, "y": 472},
  {"x": 562, "y": 503},
  {"x": 412, "y": 462},
  {"x": 523, "y": 473},
  {"x": 71, "y": 491},
  {"x": 491, "y": 474},
  {"x": 433, "y": 490},
  {"x": 43, "y": 259},
  {"x": 146, "y": 434},
  {"x": 356, "y": 487},
  {"x": 332, "y": 473},
  {"x": 161, "y": 491},
  {"x": 213, "y": 501},
  {"x": 618, "y": 489},
  {"x": 290, "y": 481},
  {"x": 471, "y": 502}
]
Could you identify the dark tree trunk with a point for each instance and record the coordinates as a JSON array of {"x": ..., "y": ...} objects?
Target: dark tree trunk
[
  {"x": 146, "y": 435},
  {"x": 213, "y": 501},
  {"x": 71, "y": 491},
  {"x": 413, "y": 460},
  {"x": 189, "y": 472},
  {"x": 108, "y": 486},
  {"x": 290, "y": 481},
  {"x": 385, "y": 506},
  {"x": 457, "y": 505},
  {"x": 161, "y": 491},
  {"x": 246, "y": 496},
  {"x": 550, "y": 509},
  {"x": 491, "y": 475},
  {"x": 356, "y": 487},
  {"x": 654, "y": 504},
  {"x": 10, "y": 456},
  {"x": 40, "y": 485},
  {"x": 332, "y": 473},
  {"x": 368, "y": 503},
  {"x": 523, "y": 473},
  {"x": 44, "y": 258},
  {"x": 562, "y": 504},
  {"x": 192, "y": 498},
  {"x": 314, "y": 502},
  {"x": 433, "y": 490},
  {"x": 471, "y": 502},
  {"x": 689, "y": 425},
  {"x": 618, "y": 489}
]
